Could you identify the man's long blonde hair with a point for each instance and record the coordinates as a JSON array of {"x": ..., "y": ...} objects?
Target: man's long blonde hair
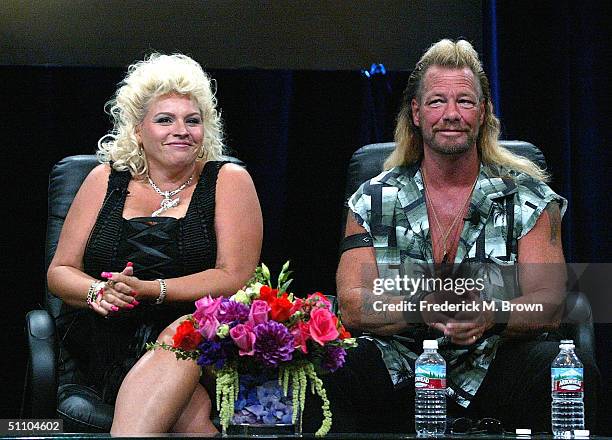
[{"x": 408, "y": 138}]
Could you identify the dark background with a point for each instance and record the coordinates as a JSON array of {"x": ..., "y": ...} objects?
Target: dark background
[{"x": 296, "y": 105}]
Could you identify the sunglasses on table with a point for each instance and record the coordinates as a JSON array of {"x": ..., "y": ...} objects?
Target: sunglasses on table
[{"x": 465, "y": 425}]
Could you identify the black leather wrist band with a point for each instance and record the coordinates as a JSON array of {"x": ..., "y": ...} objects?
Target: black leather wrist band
[{"x": 356, "y": 241}]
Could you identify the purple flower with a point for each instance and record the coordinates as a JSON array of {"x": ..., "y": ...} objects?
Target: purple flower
[
  {"x": 333, "y": 358},
  {"x": 273, "y": 343},
  {"x": 212, "y": 353},
  {"x": 230, "y": 311}
]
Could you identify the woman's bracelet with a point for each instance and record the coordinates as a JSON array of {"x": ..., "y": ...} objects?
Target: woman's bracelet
[
  {"x": 163, "y": 290},
  {"x": 94, "y": 288}
]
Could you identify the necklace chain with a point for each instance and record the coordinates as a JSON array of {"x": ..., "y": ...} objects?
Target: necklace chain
[
  {"x": 167, "y": 201},
  {"x": 453, "y": 223}
]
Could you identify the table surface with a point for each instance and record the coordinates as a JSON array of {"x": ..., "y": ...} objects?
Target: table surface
[{"x": 338, "y": 436}]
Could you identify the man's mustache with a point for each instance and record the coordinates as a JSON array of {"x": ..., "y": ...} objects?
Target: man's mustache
[{"x": 450, "y": 127}]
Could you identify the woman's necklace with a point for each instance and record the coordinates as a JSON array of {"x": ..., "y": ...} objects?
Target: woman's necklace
[
  {"x": 453, "y": 223},
  {"x": 167, "y": 201}
]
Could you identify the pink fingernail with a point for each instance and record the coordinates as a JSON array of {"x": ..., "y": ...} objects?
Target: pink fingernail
[
  {"x": 106, "y": 275},
  {"x": 129, "y": 264},
  {"x": 135, "y": 302},
  {"x": 129, "y": 306},
  {"x": 134, "y": 293},
  {"x": 115, "y": 308}
]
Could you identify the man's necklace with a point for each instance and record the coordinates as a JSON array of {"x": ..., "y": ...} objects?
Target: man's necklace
[
  {"x": 167, "y": 201},
  {"x": 453, "y": 223}
]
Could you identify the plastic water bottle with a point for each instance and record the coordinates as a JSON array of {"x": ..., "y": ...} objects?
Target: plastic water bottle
[
  {"x": 567, "y": 391},
  {"x": 430, "y": 386}
]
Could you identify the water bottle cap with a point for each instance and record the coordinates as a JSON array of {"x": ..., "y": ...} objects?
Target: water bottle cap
[
  {"x": 566, "y": 344},
  {"x": 430, "y": 344}
]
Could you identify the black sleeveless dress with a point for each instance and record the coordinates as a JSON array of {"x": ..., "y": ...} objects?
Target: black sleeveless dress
[{"x": 159, "y": 247}]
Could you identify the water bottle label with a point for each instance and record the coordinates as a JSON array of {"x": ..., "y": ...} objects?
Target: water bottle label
[
  {"x": 566, "y": 380},
  {"x": 430, "y": 377}
]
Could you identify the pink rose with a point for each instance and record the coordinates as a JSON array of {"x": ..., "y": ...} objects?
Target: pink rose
[
  {"x": 259, "y": 312},
  {"x": 301, "y": 334},
  {"x": 243, "y": 336},
  {"x": 322, "y": 326},
  {"x": 320, "y": 300},
  {"x": 208, "y": 327},
  {"x": 206, "y": 308}
]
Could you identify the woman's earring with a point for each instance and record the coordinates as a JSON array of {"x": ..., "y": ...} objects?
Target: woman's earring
[
  {"x": 201, "y": 155},
  {"x": 140, "y": 152}
]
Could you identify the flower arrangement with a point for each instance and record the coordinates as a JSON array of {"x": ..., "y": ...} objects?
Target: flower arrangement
[{"x": 261, "y": 329}]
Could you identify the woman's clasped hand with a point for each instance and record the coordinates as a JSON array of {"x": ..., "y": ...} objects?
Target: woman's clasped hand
[{"x": 118, "y": 293}]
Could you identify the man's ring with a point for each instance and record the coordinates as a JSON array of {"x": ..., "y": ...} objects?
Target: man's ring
[{"x": 110, "y": 283}]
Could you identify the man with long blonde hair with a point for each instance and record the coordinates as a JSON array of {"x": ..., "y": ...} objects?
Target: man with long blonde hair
[{"x": 451, "y": 194}]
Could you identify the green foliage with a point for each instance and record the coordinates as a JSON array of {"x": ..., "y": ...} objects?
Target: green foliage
[
  {"x": 283, "y": 278},
  {"x": 262, "y": 275},
  {"x": 180, "y": 353}
]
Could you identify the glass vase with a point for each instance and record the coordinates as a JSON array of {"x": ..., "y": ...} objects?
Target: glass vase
[{"x": 262, "y": 408}]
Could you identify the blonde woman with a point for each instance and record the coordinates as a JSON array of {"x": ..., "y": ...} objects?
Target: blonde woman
[{"x": 157, "y": 225}]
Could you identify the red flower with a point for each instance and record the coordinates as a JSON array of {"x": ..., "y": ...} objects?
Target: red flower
[
  {"x": 344, "y": 333},
  {"x": 319, "y": 300},
  {"x": 281, "y": 308},
  {"x": 267, "y": 294},
  {"x": 298, "y": 303},
  {"x": 186, "y": 336}
]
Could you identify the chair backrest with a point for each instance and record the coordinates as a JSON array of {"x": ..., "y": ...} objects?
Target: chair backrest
[
  {"x": 367, "y": 162},
  {"x": 65, "y": 180}
]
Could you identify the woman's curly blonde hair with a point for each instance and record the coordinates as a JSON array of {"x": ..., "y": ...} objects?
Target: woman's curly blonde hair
[
  {"x": 147, "y": 80},
  {"x": 408, "y": 139}
]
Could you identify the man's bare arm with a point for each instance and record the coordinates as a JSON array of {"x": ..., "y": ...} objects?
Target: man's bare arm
[
  {"x": 542, "y": 275},
  {"x": 355, "y": 280}
]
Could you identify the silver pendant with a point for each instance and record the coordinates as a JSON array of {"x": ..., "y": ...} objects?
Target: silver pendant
[{"x": 166, "y": 204}]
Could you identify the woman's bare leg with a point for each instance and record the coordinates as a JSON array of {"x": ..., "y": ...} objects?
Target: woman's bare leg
[
  {"x": 161, "y": 394},
  {"x": 196, "y": 416}
]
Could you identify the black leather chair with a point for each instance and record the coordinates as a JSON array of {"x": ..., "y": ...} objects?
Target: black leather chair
[
  {"x": 367, "y": 162},
  {"x": 53, "y": 388}
]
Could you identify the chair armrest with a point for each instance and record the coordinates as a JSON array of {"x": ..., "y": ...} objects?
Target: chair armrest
[
  {"x": 40, "y": 395},
  {"x": 578, "y": 322},
  {"x": 334, "y": 302}
]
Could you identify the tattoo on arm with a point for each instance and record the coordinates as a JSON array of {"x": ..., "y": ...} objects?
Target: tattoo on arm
[
  {"x": 372, "y": 316},
  {"x": 367, "y": 306},
  {"x": 554, "y": 217}
]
